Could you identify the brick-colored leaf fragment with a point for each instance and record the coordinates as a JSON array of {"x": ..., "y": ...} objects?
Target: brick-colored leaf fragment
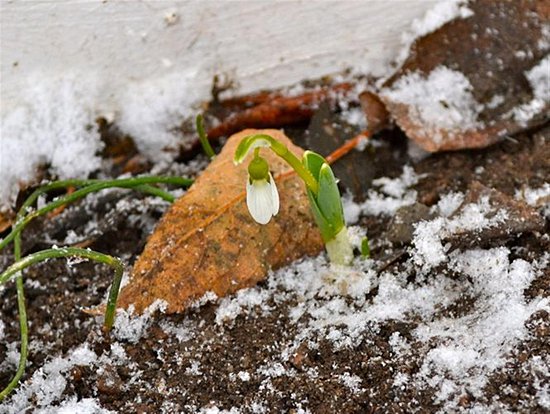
[
  {"x": 6, "y": 220},
  {"x": 207, "y": 240}
]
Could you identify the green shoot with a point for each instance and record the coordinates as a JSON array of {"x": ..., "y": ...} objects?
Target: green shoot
[
  {"x": 365, "y": 248},
  {"x": 203, "y": 138},
  {"x": 136, "y": 183},
  {"x": 141, "y": 184}
]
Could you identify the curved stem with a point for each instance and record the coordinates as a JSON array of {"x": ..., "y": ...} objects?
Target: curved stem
[
  {"x": 95, "y": 185},
  {"x": 203, "y": 138},
  {"x": 155, "y": 191},
  {"x": 23, "y": 325},
  {"x": 282, "y": 151},
  {"x": 43, "y": 255},
  {"x": 138, "y": 183}
]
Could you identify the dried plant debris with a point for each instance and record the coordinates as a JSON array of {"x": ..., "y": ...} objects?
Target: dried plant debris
[
  {"x": 475, "y": 80},
  {"x": 277, "y": 111},
  {"x": 207, "y": 240}
]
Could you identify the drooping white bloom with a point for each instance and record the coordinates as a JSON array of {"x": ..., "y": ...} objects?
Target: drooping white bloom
[{"x": 262, "y": 199}]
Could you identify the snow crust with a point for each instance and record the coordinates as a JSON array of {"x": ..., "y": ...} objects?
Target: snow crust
[
  {"x": 55, "y": 126},
  {"x": 539, "y": 79},
  {"x": 442, "y": 100}
]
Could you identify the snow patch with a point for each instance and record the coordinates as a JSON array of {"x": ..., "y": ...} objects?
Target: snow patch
[
  {"x": 48, "y": 382},
  {"x": 443, "y": 12},
  {"x": 72, "y": 406},
  {"x": 441, "y": 101},
  {"x": 153, "y": 110},
  {"x": 430, "y": 249},
  {"x": 449, "y": 203},
  {"x": 352, "y": 382},
  {"x": 539, "y": 79},
  {"x": 130, "y": 327},
  {"x": 244, "y": 300},
  {"x": 55, "y": 126},
  {"x": 472, "y": 346},
  {"x": 393, "y": 194}
]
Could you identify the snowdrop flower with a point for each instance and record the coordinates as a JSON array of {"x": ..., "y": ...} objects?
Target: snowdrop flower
[{"x": 262, "y": 197}]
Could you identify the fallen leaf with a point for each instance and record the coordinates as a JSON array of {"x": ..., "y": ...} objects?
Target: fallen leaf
[
  {"x": 207, "y": 240},
  {"x": 378, "y": 117},
  {"x": 489, "y": 54}
]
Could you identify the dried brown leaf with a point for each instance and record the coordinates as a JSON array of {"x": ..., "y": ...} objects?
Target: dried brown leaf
[
  {"x": 493, "y": 48},
  {"x": 207, "y": 240},
  {"x": 6, "y": 220}
]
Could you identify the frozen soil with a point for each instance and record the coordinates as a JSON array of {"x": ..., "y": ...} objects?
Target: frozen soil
[{"x": 391, "y": 334}]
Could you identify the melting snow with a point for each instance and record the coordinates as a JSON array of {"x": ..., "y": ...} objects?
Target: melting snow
[
  {"x": 443, "y": 100},
  {"x": 539, "y": 79},
  {"x": 393, "y": 193},
  {"x": 51, "y": 127}
]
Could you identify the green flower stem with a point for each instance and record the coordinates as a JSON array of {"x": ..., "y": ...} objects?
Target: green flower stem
[
  {"x": 96, "y": 185},
  {"x": 15, "y": 271},
  {"x": 282, "y": 151},
  {"x": 156, "y": 192},
  {"x": 203, "y": 138},
  {"x": 43, "y": 255},
  {"x": 179, "y": 181},
  {"x": 137, "y": 183},
  {"x": 23, "y": 325}
]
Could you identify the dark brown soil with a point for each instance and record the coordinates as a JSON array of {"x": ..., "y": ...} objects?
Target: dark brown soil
[{"x": 165, "y": 374}]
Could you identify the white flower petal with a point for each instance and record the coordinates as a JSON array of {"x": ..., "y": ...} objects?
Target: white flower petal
[
  {"x": 274, "y": 195},
  {"x": 259, "y": 201}
]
